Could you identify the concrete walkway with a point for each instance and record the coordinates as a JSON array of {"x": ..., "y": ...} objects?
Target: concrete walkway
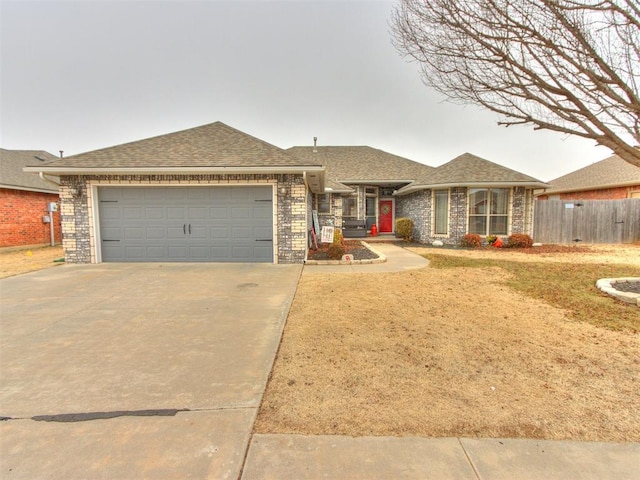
[{"x": 336, "y": 457}]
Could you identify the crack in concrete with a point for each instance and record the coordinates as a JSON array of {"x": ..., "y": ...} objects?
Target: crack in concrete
[{"x": 88, "y": 416}]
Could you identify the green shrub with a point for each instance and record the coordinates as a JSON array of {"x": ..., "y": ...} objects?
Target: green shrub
[
  {"x": 491, "y": 239},
  {"x": 471, "y": 240},
  {"x": 520, "y": 240},
  {"x": 404, "y": 228}
]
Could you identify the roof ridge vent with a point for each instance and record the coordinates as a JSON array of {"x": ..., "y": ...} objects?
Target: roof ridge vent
[{"x": 315, "y": 144}]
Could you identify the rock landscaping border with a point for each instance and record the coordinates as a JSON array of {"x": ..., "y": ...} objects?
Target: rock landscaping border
[
  {"x": 606, "y": 285},
  {"x": 381, "y": 259}
]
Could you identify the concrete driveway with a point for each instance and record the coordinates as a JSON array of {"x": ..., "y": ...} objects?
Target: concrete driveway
[{"x": 136, "y": 371}]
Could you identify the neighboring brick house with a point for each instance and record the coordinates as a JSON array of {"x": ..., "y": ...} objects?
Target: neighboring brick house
[
  {"x": 609, "y": 179},
  {"x": 24, "y": 200},
  {"x": 213, "y": 193}
]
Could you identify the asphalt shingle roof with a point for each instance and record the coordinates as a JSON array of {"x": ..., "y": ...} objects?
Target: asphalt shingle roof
[
  {"x": 469, "y": 169},
  {"x": 212, "y": 145},
  {"x": 362, "y": 164},
  {"x": 612, "y": 171},
  {"x": 13, "y": 161}
]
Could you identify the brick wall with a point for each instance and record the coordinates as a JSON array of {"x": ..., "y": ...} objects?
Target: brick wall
[
  {"x": 21, "y": 215},
  {"x": 76, "y": 205},
  {"x": 619, "y": 193},
  {"x": 417, "y": 207}
]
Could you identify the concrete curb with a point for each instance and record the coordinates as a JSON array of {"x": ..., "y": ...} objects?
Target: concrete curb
[
  {"x": 605, "y": 284},
  {"x": 381, "y": 259}
]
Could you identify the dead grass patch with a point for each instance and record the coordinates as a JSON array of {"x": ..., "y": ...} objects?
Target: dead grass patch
[
  {"x": 18, "y": 261},
  {"x": 446, "y": 352}
]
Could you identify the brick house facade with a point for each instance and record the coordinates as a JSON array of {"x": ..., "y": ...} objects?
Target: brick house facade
[
  {"x": 609, "y": 179},
  {"x": 24, "y": 201},
  {"x": 21, "y": 218}
]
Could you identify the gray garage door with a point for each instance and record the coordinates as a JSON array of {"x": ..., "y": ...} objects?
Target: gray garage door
[{"x": 186, "y": 224}]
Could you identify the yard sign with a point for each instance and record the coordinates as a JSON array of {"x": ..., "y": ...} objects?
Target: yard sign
[{"x": 327, "y": 235}]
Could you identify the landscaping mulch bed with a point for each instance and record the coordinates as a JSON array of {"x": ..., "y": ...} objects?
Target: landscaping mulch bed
[
  {"x": 627, "y": 286},
  {"x": 355, "y": 248}
]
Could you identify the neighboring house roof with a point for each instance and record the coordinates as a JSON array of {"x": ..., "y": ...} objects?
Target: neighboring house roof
[
  {"x": 471, "y": 171},
  {"x": 608, "y": 173},
  {"x": 13, "y": 177},
  {"x": 361, "y": 165}
]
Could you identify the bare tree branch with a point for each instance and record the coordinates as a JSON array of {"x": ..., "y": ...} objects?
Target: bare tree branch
[{"x": 571, "y": 66}]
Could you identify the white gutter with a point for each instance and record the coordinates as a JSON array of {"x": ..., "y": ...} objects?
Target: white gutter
[
  {"x": 414, "y": 188},
  {"x": 552, "y": 191}
]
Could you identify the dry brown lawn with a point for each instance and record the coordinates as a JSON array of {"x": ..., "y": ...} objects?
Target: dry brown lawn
[
  {"x": 452, "y": 352},
  {"x": 18, "y": 261}
]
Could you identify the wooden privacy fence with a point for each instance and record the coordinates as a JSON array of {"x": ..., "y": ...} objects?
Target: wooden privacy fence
[{"x": 590, "y": 221}]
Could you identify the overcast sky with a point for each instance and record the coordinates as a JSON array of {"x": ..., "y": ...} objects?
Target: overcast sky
[{"x": 81, "y": 75}]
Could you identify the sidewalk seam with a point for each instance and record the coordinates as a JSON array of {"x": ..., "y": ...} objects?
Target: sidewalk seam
[{"x": 466, "y": 454}]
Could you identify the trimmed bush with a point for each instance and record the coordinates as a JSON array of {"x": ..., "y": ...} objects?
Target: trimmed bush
[
  {"x": 520, "y": 240},
  {"x": 338, "y": 237},
  {"x": 404, "y": 228},
  {"x": 471, "y": 240}
]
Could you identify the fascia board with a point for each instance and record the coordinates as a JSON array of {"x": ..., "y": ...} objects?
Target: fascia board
[{"x": 171, "y": 170}]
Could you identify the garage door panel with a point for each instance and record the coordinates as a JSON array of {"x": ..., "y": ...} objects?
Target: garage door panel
[
  {"x": 134, "y": 233},
  {"x": 176, "y": 232},
  {"x": 241, "y": 212},
  {"x": 132, "y": 213},
  {"x": 174, "y": 194},
  {"x": 262, "y": 232},
  {"x": 219, "y": 213},
  {"x": 177, "y": 253},
  {"x": 112, "y": 233},
  {"x": 199, "y": 232},
  {"x": 220, "y": 253},
  {"x": 221, "y": 195},
  {"x": 239, "y": 233},
  {"x": 219, "y": 232},
  {"x": 154, "y": 213},
  {"x": 197, "y": 213},
  {"x": 156, "y": 232},
  {"x": 110, "y": 212},
  {"x": 133, "y": 194},
  {"x": 219, "y": 224},
  {"x": 264, "y": 252},
  {"x": 176, "y": 213},
  {"x": 135, "y": 253},
  {"x": 155, "y": 252}
]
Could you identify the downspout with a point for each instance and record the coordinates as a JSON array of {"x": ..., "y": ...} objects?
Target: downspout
[
  {"x": 48, "y": 180},
  {"x": 44, "y": 178}
]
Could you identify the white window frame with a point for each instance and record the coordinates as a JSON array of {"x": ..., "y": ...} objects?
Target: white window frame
[
  {"x": 433, "y": 212},
  {"x": 357, "y": 197},
  {"x": 317, "y": 199},
  {"x": 488, "y": 215}
]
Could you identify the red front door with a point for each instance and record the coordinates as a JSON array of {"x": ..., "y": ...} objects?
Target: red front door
[{"x": 385, "y": 215}]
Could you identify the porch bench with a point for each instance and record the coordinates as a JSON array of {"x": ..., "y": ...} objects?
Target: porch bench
[{"x": 354, "y": 228}]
